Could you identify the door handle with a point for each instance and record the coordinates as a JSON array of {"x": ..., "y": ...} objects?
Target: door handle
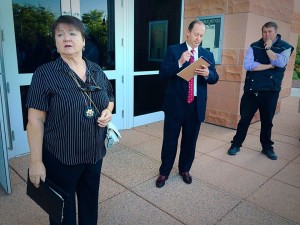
[
  {"x": 9, "y": 139},
  {"x": 66, "y": 13},
  {"x": 3, "y": 89}
]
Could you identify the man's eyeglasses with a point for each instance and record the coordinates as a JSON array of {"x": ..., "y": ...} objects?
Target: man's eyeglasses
[{"x": 90, "y": 88}]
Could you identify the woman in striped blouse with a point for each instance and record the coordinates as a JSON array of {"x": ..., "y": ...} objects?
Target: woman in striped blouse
[{"x": 70, "y": 103}]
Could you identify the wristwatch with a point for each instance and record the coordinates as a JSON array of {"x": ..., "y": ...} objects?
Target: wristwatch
[{"x": 268, "y": 48}]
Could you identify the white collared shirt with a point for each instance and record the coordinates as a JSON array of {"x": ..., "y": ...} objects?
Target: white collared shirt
[{"x": 195, "y": 58}]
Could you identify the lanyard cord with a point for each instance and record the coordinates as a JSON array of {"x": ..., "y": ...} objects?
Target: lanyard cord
[{"x": 71, "y": 73}]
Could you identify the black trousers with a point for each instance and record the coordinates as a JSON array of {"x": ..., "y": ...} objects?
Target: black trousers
[
  {"x": 190, "y": 127},
  {"x": 265, "y": 102},
  {"x": 78, "y": 180}
]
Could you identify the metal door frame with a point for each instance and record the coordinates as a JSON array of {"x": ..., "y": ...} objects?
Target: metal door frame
[{"x": 5, "y": 131}]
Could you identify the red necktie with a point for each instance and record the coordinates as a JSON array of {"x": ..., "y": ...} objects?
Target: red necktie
[{"x": 191, "y": 82}]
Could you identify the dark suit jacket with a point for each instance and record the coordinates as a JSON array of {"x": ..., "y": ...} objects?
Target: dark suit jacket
[{"x": 177, "y": 89}]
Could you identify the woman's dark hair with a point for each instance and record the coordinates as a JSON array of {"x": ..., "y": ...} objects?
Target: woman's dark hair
[{"x": 70, "y": 20}]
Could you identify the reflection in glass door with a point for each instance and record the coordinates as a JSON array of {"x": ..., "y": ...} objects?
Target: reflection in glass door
[
  {"x": 100, "y": 30},
  {"x": 34, "y": 43},
  {"x": 4, "y": 168},
  {"x": 158, "y": 25},
  {"x": 31, "y": 44},
  {"x": 32, "y": 24},
  {"x": 4, "y": 125}
]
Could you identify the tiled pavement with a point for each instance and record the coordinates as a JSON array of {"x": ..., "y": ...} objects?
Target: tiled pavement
[{"x": 244, "y": 189}]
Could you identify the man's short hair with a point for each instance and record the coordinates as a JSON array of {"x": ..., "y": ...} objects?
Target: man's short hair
[
  {"x": 270, "y": 24},
  {"x": 191, "y": 26}
]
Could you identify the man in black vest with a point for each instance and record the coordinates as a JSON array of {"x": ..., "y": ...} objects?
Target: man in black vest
[{"x": 265, "y": 62}]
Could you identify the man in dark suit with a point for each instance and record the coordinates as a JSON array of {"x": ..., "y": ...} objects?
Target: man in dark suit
[{"x": 185, "y": 102}]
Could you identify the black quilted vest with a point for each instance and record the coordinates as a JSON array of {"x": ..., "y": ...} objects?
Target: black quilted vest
[{"x": 270, "y": 79}]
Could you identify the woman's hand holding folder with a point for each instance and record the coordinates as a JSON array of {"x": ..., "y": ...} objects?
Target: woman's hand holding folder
[{"x": 37, "y": 172}]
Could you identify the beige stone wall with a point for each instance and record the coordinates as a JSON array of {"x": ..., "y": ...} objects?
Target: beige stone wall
[{"x": 243, "y": 20}]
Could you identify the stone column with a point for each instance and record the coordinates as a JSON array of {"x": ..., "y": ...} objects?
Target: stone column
[{"x": 243, "y": 20}]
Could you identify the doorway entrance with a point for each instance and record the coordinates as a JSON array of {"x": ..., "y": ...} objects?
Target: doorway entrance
[
  {"x": 4, "y": 123},
  {"x": 127, "y": 38},
  {"x": 30, "y": 45}
]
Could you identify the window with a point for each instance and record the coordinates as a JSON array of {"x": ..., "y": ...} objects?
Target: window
[
  {"x": 156, "y": 26},
  {"x": 212, "y": 40},
  {"x": 164, "y": 22},
  {"x": 33, "y": 21},
  {"x": 158, "y": 37}
]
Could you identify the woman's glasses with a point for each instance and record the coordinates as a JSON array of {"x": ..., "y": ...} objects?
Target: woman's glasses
[
  {"x": 90, "y": 88},
  {"x": 86, "y": 88}
]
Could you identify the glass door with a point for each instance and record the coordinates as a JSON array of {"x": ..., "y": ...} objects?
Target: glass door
[
  {"x": 4, "y": 167},
  {"x": 4, "y": 125},
  {"x": 30, "y": 44},
  {"x": 158, "y": 25}
]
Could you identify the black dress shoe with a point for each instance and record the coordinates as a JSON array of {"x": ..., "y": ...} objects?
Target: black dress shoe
[
  {"x": 270, "y": 154},
  {"x": 160, "y": 181},
  {"x": 186, "y": 177},
  {"x": 233, "y": 150}
]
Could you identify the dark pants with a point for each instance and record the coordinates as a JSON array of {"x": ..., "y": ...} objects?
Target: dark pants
[
  {"x": 82, "y": 180},
  {"x": 190, "y": 126},
  {"x": 265, "y": 102}
]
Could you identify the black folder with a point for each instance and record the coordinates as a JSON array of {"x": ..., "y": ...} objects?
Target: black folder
[{"x": 52, "y": 199}]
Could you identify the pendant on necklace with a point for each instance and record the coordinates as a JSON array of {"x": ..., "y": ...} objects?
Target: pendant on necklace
[{"x": 89, "y": 112}]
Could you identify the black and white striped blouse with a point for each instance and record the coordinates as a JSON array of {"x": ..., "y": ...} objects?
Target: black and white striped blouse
[{"x": 68, "y": 134}]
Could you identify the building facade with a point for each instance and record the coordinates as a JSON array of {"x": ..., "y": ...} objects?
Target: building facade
[{"x": 128, "y": 38}]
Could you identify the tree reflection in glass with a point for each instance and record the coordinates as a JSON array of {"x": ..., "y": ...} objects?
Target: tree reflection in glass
[
  {"x": 33, "y": 38},
  {"x": 33, "y": 21}
]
